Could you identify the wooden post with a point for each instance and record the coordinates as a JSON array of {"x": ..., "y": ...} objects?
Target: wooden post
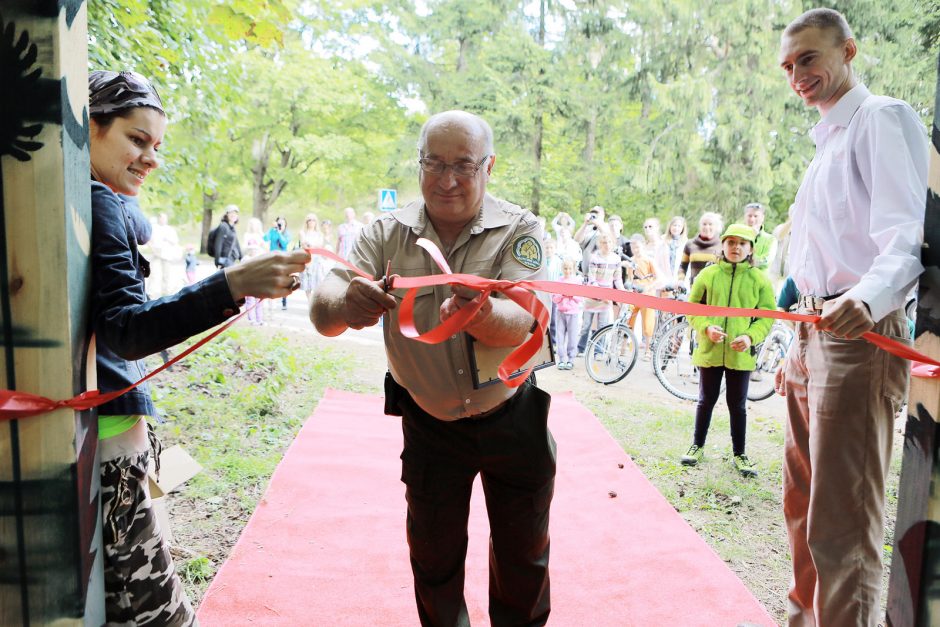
[
  {"x": 914, "y": 588},
  {"x": 50, "y": 532}
]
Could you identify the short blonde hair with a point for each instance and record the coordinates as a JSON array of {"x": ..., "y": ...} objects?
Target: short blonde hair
[
  {"x": 823, "y": 19},
  {"x": 715, "y": 218}
]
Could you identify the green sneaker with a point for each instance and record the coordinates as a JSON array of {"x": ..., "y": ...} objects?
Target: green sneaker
[
  {"x": 693, "y": 456},
  {"x": 744, "y": 466}
]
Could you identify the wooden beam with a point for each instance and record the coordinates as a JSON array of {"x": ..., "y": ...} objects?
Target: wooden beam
[
  {"x": 50, "y": 532},
  {"x": 914, "y": 587}
]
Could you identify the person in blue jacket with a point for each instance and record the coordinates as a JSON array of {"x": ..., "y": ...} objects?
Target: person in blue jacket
[
  {"x": 126, "y": 130},
  {"x": 278, "y": 238},
  {"x": 724, "y": 345}
]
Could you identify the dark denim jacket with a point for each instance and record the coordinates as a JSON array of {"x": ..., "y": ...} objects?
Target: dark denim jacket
[{"x": 127, "y": 326}]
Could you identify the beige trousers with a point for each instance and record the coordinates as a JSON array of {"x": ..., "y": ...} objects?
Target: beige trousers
[{"x": 842, "y": 396}]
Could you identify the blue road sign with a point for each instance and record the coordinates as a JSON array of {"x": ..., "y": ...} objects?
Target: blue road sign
[{"x": 388, "y": 200}]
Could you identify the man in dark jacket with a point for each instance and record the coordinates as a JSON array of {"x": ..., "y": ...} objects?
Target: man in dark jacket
[{"x": 224, "y": 245}]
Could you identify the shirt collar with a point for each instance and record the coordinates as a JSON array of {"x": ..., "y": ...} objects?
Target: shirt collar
[
  {"x": 414, "y": 216},
  {"x": 843, "y": 112}
]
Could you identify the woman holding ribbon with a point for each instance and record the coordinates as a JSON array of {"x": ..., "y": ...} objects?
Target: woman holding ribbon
[
  {"x": 126, "y": 130},
  {"x": 724, "y": 344}
]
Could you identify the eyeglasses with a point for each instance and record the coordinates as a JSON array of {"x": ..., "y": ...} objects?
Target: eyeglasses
[{"x": 461, "y": 168}]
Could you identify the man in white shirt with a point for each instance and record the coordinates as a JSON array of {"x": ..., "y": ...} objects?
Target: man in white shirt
[{"x": 856, "y": 233}]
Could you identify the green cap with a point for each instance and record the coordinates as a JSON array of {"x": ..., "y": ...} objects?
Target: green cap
[{"x": 742, "y": 231}]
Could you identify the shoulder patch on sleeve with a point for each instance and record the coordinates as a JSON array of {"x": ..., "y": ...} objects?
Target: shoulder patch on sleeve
[{"x": 528, "y": 251}]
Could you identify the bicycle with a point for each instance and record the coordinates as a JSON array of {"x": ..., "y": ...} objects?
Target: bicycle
[
  {"x": 611, "y": 352},
  {"x": 666, "y": 320},
  {"x": 770, "y": 355},
  {"x": 672, "y": 361}
]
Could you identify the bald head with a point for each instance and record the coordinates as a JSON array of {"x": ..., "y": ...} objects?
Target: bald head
[{"x": 457, "y": 121}]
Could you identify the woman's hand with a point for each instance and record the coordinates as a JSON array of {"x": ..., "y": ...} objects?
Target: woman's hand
[{"x": 271, "y": 275}]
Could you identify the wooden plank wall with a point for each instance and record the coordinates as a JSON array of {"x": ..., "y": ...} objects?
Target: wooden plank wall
[
  {"x": 50, "y": 535},
  {"x": 914, "y": 589}
]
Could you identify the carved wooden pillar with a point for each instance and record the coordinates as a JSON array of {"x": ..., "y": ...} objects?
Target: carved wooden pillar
[
  {"x": 50, "y": 533},
  {"x": 914, "y": 590}
]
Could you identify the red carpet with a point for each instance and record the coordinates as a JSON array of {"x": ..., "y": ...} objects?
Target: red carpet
[{"x": 326, "y": 545}]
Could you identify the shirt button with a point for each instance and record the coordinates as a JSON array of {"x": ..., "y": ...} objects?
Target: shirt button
[
  {"x": 453, "y": 337},
  {"x": 467, "y": 401},
  {"x": 228, "y": 313},
  {"x": 460, "y": 371}
]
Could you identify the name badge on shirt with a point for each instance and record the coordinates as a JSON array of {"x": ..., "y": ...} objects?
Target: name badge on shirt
[{"x": 485, "y": 360}]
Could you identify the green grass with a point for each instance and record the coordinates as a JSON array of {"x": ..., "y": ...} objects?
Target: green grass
[{"x": 729, "y": 511}]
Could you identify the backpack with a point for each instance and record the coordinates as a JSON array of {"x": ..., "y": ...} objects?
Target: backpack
[{"x": 210, "y": 241}]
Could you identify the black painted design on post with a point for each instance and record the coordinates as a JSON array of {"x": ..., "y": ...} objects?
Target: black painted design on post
[
  {"x": 27, "y": 99},
  {"x": 71, "y": 10},
  {"x": 77, "y": 131},
  {"x": 928, "y": 303}
]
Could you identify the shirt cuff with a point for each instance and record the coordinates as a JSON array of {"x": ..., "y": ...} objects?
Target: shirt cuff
[{"x": 876, "y": 296}]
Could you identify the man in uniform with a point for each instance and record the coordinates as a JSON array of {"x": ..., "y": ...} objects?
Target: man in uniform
[
  {"x": 856, "y": 235},
  {"x": 452, "y": 429}
]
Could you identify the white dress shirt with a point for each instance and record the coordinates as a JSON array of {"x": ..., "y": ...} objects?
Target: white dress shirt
[{"x": 858, "y": 218}]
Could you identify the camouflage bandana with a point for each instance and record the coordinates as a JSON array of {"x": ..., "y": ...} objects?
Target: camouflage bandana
[{"x": 116, "y": 91}]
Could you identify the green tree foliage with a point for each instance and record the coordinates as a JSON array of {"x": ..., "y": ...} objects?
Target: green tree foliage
[{"x": 657, "y": 108}]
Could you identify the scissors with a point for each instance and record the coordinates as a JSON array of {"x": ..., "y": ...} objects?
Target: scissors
[{"x": 386, "y": 280}]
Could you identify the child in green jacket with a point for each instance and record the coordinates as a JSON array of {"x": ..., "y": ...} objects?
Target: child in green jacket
[{"x": 724, "y": 345}]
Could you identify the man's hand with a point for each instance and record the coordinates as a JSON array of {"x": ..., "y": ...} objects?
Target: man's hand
[
  {"x": 741, "y": 343},
  {"x": 715, "y": 333},
  {"x": 365, "y": 302},
  {"x": 780, "y": 380},
  {"x": 270, "y": 275},
  {"x": 462, "y": 298},
  {"x": 845, "y": 317}
]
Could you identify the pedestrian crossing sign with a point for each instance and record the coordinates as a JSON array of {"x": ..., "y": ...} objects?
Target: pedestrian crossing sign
[{"x": 388, "y": 200}]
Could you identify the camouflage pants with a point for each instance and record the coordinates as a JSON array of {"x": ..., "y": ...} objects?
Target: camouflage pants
[{"x": 141, "y": 583}]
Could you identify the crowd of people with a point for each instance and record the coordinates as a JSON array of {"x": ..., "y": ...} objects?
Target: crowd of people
[{"x": 853, "y": 237}]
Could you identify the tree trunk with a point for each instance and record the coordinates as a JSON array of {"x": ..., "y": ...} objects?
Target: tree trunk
[
  {"x": 464, "y": 44},
  {"x": 261, "y": 152},
  {"x": 535, "y": 204},
  {"x": 590, "y": 137},
  {"x": 208, "y": 208},
  {"x": 537, "y": 153}
]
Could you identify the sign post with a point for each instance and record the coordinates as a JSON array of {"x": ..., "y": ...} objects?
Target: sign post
[{"x": 388, "y": 200}]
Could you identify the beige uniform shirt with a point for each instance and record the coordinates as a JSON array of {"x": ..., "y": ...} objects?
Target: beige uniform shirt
[{"x": 497, "y": 245}]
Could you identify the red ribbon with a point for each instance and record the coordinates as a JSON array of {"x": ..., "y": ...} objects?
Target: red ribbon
[
  {"x": 15, "y": 404},
  {"x": 923, "y": 366}
]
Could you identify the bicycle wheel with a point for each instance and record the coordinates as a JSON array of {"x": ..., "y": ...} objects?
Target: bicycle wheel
[
  {"x": 610, "y": 354},
  {"x": 672, "y": 362},
  {"x": 770, "y": 357}
]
